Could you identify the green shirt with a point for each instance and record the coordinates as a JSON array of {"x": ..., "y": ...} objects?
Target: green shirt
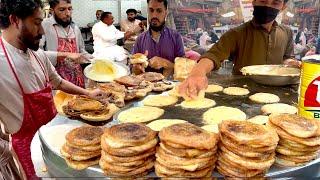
[{"x": 251, "y": 44}]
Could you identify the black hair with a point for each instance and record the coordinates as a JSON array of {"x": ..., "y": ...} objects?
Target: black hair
[
  {"x": 131, "y": 11},
  {"x": 165, "y": 2},
  {"x": 20, "y": 8},
  {"x": 285, "y": 1},
  {"x": 99, "y": 10},
  {"x": 105, "y": 15},
  {"x": 54, "y": 3}
]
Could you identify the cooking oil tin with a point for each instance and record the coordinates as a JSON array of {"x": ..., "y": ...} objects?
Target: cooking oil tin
[{"x": 309, "y": 99}]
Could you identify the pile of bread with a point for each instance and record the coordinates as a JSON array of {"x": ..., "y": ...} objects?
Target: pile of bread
[
  {"x": 246, "y": 150},
  {"x": 299, "y": 139},
  {"x": 81, "y": 107},
  {"x": 128, "y": 150},
  {"x": 82, "y": 148},
  {"x": 241, "y": 149},
  {"x": 186, "y": 151},
  {"x": 131, "y": 87}
]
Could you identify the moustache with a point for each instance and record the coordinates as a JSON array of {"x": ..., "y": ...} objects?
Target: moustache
[{"x": 155, "y": 19}]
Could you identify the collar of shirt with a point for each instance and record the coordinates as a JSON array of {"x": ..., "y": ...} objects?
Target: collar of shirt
[
  {"x": 163, "y": 32},
  {"x": 11, "y": 48},
  {"x": 259, "y": 26},
  {"x": 53, "y": 21}
]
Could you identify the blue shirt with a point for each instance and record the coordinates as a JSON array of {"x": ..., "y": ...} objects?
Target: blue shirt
[{"x": 170, "y": 45}]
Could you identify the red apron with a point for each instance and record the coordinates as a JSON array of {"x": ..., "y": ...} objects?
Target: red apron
[
  {"x": 39, "y": 109},
  {"x": 67, "y": 69}
]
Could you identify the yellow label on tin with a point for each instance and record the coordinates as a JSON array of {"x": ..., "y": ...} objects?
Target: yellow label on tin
[{"x": 309, "y": 101}]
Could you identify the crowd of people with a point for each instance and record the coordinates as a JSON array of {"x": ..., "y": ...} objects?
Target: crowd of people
[
  {"x": 38, "y": 55},
  {"x": 305, "y": 44}
]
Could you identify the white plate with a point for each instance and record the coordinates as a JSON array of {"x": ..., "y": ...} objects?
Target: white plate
[{"x": 121, "y": 69}]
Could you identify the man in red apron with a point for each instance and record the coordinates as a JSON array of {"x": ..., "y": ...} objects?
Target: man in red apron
[
  {"x": 26, "y": 79},
  {"x": 64, "y": 42}
]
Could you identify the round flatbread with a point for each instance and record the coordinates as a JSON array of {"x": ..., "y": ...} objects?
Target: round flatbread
[
  {"x": 102, "y": 115},
  {"x": 158, "y": 125},
  {"x": 278, "y": 108},
  {"x": 218, "y": 114},
  {"x": 198, "y": 104},
  {"x": 213, "y": 88},
  {"x": 264, "y": 98},
  {"x": 174, "y": 92},
  {"x": 159, "y": 101},
  {"x": 81, "y": 165},
  {"x": 140, "y": 114},
  {"x": 260, "y": 119},
  {"x": 84, "y": 136},
  {"x": 248, "y": 133},
  {"x": 128, "y": 135},
  {"x": 189, "y": 135},
  {"x": 296, "y": 125},
  {"x": 211, "y": 128},
  {"x": 236, "y": 91}
]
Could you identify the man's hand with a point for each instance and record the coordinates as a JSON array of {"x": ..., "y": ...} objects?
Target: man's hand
[
  {"x": 158, "y": 63},
  {"x": 128, "y": 34},
  {"x": 97, "y": 94},
  {"x": 193, "y": 85},
  {"x": 293, "y": 63},
  {"x": 77, "y": 57},
  {"x": 197, "y": 79}
]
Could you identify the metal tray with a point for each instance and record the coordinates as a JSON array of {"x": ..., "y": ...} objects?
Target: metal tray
[{"x": 58, "y": 168}]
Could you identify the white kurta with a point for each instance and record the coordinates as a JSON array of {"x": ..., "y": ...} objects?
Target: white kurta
[
  {"x": 30, "y": 75},
  {"x": 105, "y": 42}
]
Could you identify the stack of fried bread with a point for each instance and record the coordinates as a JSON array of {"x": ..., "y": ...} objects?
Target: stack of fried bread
[
  {"x": 89, "y": 109},
  {"x": 128, "y": 150},
  {"x": 186, "y": 151},
  {"x": 246, "y": 150},
  {"x": 82, "y": 148},
  {"x": 299, "y": 139}
]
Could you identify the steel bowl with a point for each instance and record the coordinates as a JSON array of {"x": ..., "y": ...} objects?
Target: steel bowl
[{"x": 272, "y": 75}]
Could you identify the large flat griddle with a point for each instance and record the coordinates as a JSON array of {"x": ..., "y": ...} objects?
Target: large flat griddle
[
  {"x": 287, "y": 94},
  {"x": 58, "y": 168}
]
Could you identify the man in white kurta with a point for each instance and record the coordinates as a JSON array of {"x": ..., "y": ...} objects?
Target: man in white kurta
[{"x": 105, "y": 36}]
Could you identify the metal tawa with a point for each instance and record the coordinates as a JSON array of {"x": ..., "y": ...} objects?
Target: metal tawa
[{"x": 272, "y": 75}]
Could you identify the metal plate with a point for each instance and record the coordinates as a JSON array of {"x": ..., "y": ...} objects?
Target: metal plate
[{"x": 122, "y": 70}]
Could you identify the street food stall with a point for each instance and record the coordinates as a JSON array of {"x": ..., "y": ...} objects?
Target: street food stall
[{"x": 54, "y": 136}]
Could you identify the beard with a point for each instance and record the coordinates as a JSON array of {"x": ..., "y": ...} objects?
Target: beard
[
  {"x": 155, "y": 27},
  {"x": 131, "y": 19},
  {"x": 63, "y": 23},
  {"x": 30, "y": 41}
]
